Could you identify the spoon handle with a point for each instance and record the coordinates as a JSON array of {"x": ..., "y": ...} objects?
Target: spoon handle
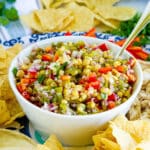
[{"x": 143, "y": 21}]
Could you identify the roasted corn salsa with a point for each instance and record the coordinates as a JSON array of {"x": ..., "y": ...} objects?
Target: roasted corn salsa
[{"x": 75, "y": 78}]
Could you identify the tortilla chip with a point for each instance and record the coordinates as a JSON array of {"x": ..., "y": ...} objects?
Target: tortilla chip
[
  {"x": 10, "y": 109},
  {"x": 15, "y": 49},
  {"x": 4, "y": 113},
  {"x": 143, "y": 146},
  {"x": 13, "y": 140},
  {"x": 110, "y": 23},
  {"x": 83, "y": 18},
  {"x": 5, "y": 87},
  {"x": 3, "y": 54},
  {"x": 51, "y": 19},
  {"x": 46, "y": 3},
  {"x": 15, "y": 111},
  {"x": 14, "y": 125},
  {"x": 42, "y": 147},
  {"x": 92, "y": 4},
  {"x": 32, "y": 21},
  {"x": 53, "y": 144},
  {"x": 48, "y": 20},
  {"x": 139, "y": 129},
  {"x": 124, "y": 135},
  {"x": 118, "y": 13},
  {"x": 56, "y": 4},
  {"x": 124, "y": 139}
]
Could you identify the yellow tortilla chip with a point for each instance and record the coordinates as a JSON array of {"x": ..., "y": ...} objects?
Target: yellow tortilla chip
[
  {"x": 56, "y": 4},
  {"x": 51, "y": 19},
  {"x": 143, "y": 146},
  {"x": 53, "y": 144},
  {"x": 5, "y": 87},
  {"x": 3, "y": 54},
  {"x": 42, "y": 147},
  {"x": 92, "y": 4},
  {"x": 110, "y": 23},
  {"x": 32, "y": 21},
  {"x": 13, "y": 140},
  {"x": 139, "y": 129},
  {"x": 15, "y": 110},
  {"x": 15, "y": 49},
  {"x": 124, "y": 139},
  {"x": 46, "y": 3},
  {"x": 124, "y": 135},
  {"x": 48, "y": 20},
  {"x": 83, "y": 18},
  {"x": 10, "y": 109},
  {"x": 118, "y": 13},
  {"x": 4, "y": 113},
  {"x": 14, "y": 124}
]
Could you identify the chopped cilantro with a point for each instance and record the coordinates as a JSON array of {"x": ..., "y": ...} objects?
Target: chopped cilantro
[
  {"x": 15, "y": 70},
  {"x": 11, "y": 14},
  {"x": 41, "y": 78},
  {"x": 2, "y": 5},
  {"x": 62, "y": 67},
  {"x": 7, "y": 15},
  {"x": 3, "y": 21},
  {"x": 11, "y": 1},
  {"x": 126, "y": 27}
]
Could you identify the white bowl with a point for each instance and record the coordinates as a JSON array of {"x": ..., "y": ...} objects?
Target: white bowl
[{"x": 71, "y": 130}]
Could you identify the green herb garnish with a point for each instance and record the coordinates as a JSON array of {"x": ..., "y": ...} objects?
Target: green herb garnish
[
  {"x": 11, "y": 14},
  {"x": 11, "y": 1},
  {"x": 41, "y": 78},
  {"x": 4, "y": 21},
  {"x": 62, "y": 67},
  {"x": 15, "y": 70},
  {"x": 126, "y": 27},
  {"x": 7, "y": 15}
]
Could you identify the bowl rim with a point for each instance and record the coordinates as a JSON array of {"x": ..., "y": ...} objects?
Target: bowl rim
[{"x": 45, "y": 42}]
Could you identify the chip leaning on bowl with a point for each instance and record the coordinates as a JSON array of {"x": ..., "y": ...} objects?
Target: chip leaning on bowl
[
  {"x": 76, "y": 129},
  {"x": 9, "y": 107}
]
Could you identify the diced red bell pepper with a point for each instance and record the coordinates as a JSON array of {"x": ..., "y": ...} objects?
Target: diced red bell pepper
[
  {"x": 25, "y": 81},
  {"x": 56, "y": 56},
  {"x": 111, "y": 104},
  {"x": 95, "y": 85},
  {"x": 26, "y": 95},
  {"x": 19, "y": 87},
  {"x": 120, "y": 69},
  {"x": 112, "y": 97},
  {"x": 91, "y": 33},
  {"x": 134, "y": 48},
  {"x": 68, "y": 34},
  {"x": 32, "y": 74},
  {"x": 92, "y": 77},
  {"x": 120, "y": 42},
  {"x": 103, "y": 47},
  {"x": 46, "y": 57},
  {"x": 105, "y": 69}
]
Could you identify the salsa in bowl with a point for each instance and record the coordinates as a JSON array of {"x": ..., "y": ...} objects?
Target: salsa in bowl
[
  {"x": 71, "y": 86},
  {"x": 75, "y": 78}
]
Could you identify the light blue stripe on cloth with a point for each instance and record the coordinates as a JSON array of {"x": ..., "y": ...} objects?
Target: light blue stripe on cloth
[{"x": 15, "y": 29}]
